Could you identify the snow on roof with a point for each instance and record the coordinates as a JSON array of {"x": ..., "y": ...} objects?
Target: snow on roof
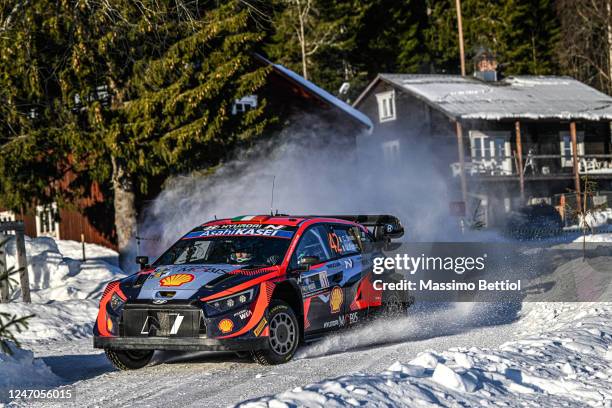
[
  {"x": 324, "y": 95},
  {"x": 525, "y": 97}
]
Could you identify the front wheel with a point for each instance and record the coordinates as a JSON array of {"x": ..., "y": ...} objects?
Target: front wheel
[
  {"x": 129, "y": 359},
  {"x": 284, "y": 335}
]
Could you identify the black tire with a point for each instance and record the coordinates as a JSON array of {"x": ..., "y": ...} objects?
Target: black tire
[
  {"x": 394, "y": 306},
  {"x": 129, "y": 359},
  {"x": 284, "y": 336}
]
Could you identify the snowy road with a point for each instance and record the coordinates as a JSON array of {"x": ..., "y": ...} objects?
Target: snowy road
[{"x": 221, "y": 379}]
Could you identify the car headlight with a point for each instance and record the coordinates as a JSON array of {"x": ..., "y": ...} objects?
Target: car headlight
[
  {"x": 222, "y": 305},
  {"x": 116, "y": 302}
]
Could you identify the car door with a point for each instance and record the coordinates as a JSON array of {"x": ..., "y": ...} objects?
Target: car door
[
  {"x": 318, "y": 282},
  {"x": 347, "y": 246}
]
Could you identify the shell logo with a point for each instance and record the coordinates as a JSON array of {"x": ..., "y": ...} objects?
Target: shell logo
[
  {"x": 176, "y": 280},
  {"x": 226, "y": 325},
  {"x": 335, "y": 299}
]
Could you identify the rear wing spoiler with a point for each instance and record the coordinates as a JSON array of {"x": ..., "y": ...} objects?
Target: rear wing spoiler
[{"x": 383, "y": 226}]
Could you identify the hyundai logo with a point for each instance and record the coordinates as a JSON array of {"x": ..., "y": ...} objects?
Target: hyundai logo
[{"x": 159, "y": 301}]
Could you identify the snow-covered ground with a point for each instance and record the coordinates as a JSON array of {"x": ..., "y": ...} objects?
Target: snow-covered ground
[
  {"x": 545, "y": 354},
  {"x": 568, "y": 365},
  {"x": 21, "y": 370},
  {"x": 58, "y": 273},
  {"x": 65, "y": 293}
]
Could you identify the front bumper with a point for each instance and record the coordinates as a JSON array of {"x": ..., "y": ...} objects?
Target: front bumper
[{"x": 180, "y": 343}]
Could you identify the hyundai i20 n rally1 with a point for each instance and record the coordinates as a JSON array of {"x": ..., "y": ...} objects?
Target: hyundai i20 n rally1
[{"x": 258, "y": 284}]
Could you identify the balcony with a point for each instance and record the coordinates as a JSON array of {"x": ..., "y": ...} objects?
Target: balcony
[{"x": 535, "y": 167}]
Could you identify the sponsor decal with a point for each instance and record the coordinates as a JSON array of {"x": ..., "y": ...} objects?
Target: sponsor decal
[
  {"x": 239, "y": 230},
  {"x": 330, "y": 324},
  {"x": 159, "y": 272},
  {"x": 209, "y": 269},
  {"x": 226, "y": 326},
  {"x": 309, "y": 283},
  {"x": 260, "y": 326},
  {"x": 323, "y": 279},
  {"x": 188, "y": 269},
  {"x": 342, "y": 320},
  {"x": 176, "y": 280},
  {"x": 335, "y": 299},
  {"x": 348, "y": 263},
  {"x": 226, "y": 226},
  {"x": 243, "y": 314}
]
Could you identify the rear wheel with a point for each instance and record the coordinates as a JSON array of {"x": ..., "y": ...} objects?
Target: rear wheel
[
  {"x": 284, "y": 335},
  {"x": 129, "y": 359},
  {"x": 395, "y": 306}
]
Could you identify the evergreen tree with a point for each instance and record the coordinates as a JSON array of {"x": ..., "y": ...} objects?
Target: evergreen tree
[
  {"x": 349, "y": 41},
  {"x": 522, "y": 33},
  {"x": 9, "y": 324},
  {"x": 389, "y": 37},
  {"x": 530, "y": 37},
  {"x": 129, "y": 92}
]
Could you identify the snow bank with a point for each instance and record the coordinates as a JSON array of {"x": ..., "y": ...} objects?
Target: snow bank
[
  {"x": 65, "y": 290},
  {"x": 596, "y": 219},
  {"x": 67, "y": 320},
  {"x": 21, "y": 370},
  {"x": 600, "y": 237},
  {"x": 57, "y": 272},
  {"x": 565, "y": 362}
]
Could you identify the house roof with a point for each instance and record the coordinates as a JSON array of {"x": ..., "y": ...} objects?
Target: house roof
[
  {"x": 523, "y": 97},
  {"x": 320, "y": 93}
]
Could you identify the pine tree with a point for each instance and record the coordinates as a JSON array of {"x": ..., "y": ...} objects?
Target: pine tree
[
  {"x": 349, "y": 41},
  {"x": 9, "y": 323},
  {"x": 128, "y": 93},
  {"x": 530, "y": 38},
  {"x": 389, "y": 37},
  {"x": 522, "y": 33}
]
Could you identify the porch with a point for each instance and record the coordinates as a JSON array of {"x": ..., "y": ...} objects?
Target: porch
[{"x": 532, "y": 150}]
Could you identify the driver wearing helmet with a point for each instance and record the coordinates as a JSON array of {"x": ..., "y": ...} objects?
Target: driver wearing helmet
[{"x": 241, "y": 255}]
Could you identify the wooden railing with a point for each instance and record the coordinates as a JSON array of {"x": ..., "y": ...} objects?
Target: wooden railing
[{"x": 533, "y": 164}]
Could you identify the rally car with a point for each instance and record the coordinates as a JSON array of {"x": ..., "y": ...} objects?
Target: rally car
[{"x": 258, "y": 284}]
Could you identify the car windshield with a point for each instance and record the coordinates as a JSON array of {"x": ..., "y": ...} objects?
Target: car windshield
[{"x": 239, "y": 250}]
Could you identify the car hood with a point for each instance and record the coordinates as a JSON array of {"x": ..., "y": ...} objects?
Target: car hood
[{"x": 186, "y": 280}]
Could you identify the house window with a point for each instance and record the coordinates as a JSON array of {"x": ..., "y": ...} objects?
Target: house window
[
  {"x": 566, "y": 150},
  {"x": 7, "y": 216},
  {"x": 47, "y": 220},
  {"x": 244, "y": 104},
  {"x": 391, "y": 152},
  {"x": 492, "y": 150},
  {"x": 386, "y": 106}
]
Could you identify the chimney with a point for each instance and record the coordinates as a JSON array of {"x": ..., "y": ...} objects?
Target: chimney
[{"x": 485, "y": 65}]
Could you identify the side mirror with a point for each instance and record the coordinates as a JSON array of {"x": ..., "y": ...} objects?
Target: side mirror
[
  {"x": 143, "y": 261},
  {"x": 305, "y": 262}
]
